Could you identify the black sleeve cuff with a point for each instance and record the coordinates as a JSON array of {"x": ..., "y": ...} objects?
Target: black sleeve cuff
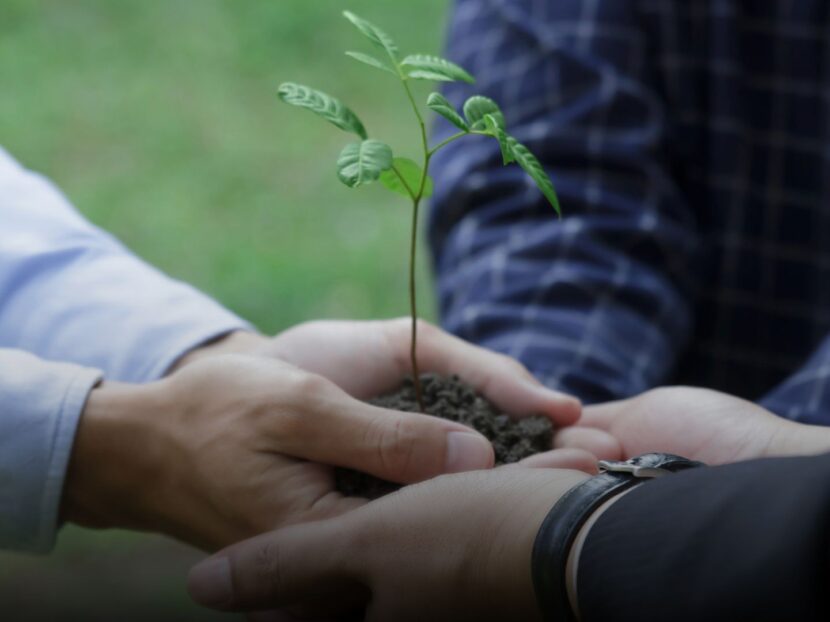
[{"x": 747, "y": 541}]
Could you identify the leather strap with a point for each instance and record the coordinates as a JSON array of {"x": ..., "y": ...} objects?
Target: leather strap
[{"x": 562, "y": 524}]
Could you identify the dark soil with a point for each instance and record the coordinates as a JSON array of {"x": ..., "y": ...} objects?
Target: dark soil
[{"x": 452, "y": 399}]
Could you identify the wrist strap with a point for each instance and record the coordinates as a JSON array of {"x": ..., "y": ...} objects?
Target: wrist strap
[{"x": 562, "y": 524}]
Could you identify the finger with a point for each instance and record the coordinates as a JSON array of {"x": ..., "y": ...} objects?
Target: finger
[
  {"x": 503, "y": 380},
  {"x": 603, "y": 415},
  {"x": 396, "y": 446},
  {"x": 274, "y": 570},
  {"x": 597, "y": 442},
  {"x": 568, "y": 458}
]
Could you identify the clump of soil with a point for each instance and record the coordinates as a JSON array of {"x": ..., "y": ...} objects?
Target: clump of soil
[{"x": 450, "y": 398}]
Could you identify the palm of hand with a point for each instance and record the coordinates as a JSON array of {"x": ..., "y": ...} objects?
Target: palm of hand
[
  {"x": 697, "y": 423},
  {"x": 296, "y": 491},
  {"x": 367, "y": 359},
  {"x": 411, "y": 555}
]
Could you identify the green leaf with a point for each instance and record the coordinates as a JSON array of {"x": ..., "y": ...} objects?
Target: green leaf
[
  {"x": 421, "y": 66},
  {"x": 369, "y": 60},
  {"x": 497, "y": 132},
  {"x": 411, "y": 173},
  {"x": 533, "y": 168},
  {"x": 321, "y": 104},
  {"x": 439, "y": 104},
  {"x": 374, "y": 34},
  {"x": 477, "y": 106},
  {"x": 362, "y": 163}
]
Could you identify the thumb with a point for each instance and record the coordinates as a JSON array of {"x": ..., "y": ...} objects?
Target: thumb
[
  {"x": 393, "y": 445},
  {"x": 411, "y": 447},
  {"x": 275, "y": 570}
]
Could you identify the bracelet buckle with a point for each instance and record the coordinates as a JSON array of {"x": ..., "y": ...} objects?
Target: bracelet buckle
[
  {"x": 648, "y": 466},
  {"x": 636, "y": 470}
]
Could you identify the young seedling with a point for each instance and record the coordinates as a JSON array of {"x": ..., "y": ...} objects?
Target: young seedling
[{"x": 371, "y": 160}]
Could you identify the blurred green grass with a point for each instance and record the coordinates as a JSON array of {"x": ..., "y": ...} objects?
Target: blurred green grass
[{"x": 160, "y": 122}]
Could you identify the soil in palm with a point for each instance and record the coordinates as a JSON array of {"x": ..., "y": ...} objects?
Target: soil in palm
[{"x": 450, "y": 398}]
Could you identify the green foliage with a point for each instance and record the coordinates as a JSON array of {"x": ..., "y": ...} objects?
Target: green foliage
[
  {"x": 323, "y": 105},
  {"x": 533, "y": 167},
  {"x": 379, "y": 38},
  {"x": 496, "y": 130},
  {"x": 439, "y": 104},
  {"x": 370, "y": 60},
  {"x": 362, "y": 163},
  {"x": 370, "y": 160},
  {"x": 477, "y": 106},
  {"x": 405, "y": 178},
  {"x": 424, "y": 67}
]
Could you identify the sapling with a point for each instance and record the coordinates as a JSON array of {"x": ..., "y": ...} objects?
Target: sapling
[{"x": 371, "y": 160}]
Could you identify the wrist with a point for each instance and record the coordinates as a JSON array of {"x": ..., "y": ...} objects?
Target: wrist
[
  {"x": 115, "y": 458},
  {"x": 799, "y": 439},
  {"x": 540, "y": 508},
  {"x": 572, "y": 565},
  {"x": 237, "y": 342},
  {"x": 560, "y": 529}
]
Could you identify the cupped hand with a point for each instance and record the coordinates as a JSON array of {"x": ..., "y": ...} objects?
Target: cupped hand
[
  {"x": 369, "y": 358},
  {"x": 233, "y": 445},
  {"x": 455, "y": 548},
  {"x": 701, "y": 424}
]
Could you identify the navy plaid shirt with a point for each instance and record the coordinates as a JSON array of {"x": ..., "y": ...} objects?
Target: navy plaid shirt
[{"x": 690, "y": 146}]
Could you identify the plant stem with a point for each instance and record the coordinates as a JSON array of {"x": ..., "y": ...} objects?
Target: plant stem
[
  {"x": 413, "y": 302},
  {"x": 413, "y": 308},
  {"x": 447, "y": 141},
  {"x": 403, "y": 181},
  {"x": 416, "y": 202}
]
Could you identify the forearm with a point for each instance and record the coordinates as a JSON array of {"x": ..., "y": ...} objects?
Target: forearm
[
  {"x": 72, "y": 292},
  {"x": 115, "y": 473},
  {"x": 800, "y": 439},
  {"x": 595, "y": 303},
  {"x": 589, "y": 345},
  {"x": 744, "y": 541},
  {"x": 803, "y": 396},
  {"x": 132, "y": 466},
  {"x": 572, "y": 565}
]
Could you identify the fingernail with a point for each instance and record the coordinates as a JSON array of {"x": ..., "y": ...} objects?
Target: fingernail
[
  {"x": 467, "y": 452},
  {"x": 209, "y": 583}
]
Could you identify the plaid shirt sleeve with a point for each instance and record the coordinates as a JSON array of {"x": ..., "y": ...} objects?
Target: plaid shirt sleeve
[
  {"x": 597, "y": 303},
  {"x": 805, "y": 395}
]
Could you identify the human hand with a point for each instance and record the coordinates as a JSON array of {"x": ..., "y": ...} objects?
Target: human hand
[
  {"x": 700, "y": 424},
  {"x": 455, "y": 548},
  {"x": 231, "y": 446},
  {"x": 369, "y": 358}
]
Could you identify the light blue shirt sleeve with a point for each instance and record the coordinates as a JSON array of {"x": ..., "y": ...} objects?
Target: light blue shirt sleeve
[
  {"x": 40, "y": 404},
  {"x": 71, "y": 292}
]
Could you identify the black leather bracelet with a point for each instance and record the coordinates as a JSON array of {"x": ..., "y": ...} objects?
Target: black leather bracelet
[{"x": 562, "y": 524}]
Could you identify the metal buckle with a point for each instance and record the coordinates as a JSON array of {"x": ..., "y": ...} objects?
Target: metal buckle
[{"x": 636, "y": 470}]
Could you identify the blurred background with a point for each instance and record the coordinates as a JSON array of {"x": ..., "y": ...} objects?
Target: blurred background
[{"x": 159, "y": 119}]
